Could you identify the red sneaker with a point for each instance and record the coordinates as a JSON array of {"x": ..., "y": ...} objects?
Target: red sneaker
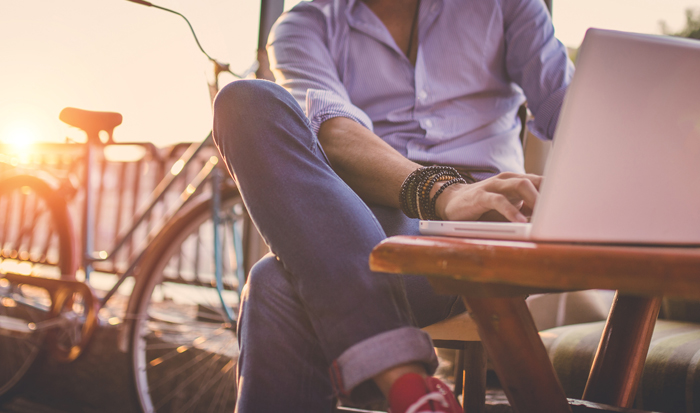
[{"x": 412, "y": 393}]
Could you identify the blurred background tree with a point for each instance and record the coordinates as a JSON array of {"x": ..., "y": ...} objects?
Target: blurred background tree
[{"x": 692, "y": 26}]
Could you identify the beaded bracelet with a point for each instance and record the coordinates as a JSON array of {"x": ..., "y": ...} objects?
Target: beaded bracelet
[
  {"x": 444, "y": 186},
  {"x": 414, "y": 196},
  {"x": 409, "y": 188},
  {"x": 425, "y": 204},
  {"x": 418, "y": 184}
]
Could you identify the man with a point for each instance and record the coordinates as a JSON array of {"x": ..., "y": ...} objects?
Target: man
[{"x": 385, "y": 84}]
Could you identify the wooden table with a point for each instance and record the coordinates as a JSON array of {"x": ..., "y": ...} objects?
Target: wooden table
[{"x": 494, "y": 277}]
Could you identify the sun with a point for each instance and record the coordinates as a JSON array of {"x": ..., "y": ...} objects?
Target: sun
[{"x": 19, "y": 137}]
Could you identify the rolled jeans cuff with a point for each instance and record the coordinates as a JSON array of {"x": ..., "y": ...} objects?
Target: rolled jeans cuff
[{"x": 366, "y": 359}]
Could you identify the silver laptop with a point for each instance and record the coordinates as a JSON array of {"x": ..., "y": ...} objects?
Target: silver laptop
[{"x": 625, "y": 165}]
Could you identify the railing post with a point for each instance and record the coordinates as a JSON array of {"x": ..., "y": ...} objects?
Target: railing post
[{"x": 88, "y": 217}]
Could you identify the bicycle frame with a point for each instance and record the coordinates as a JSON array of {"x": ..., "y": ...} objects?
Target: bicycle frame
[{"x": 88, "y": 257}]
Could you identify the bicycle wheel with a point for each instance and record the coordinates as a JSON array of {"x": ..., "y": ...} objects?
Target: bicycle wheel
[
  {"x": 36, "y": 238},
  {"x": 183, "y": 345}
]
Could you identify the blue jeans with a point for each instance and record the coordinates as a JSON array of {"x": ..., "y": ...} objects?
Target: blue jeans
[{"x": 315, "y": 322}]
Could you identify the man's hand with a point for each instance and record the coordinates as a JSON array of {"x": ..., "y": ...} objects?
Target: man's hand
[{"x": 508, "y": 194}]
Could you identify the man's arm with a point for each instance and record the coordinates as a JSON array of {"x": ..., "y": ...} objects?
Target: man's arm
[
  {"x": 372, "y": 168},
  {"x": 376, "y": 171},
  {"x": 536, "y": 61}
]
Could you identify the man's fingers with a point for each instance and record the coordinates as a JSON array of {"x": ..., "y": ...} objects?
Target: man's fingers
[
  {"x": 508, "y": 194},
  {"x": 535, "y": 179},
  {"x": 501, "y": 204},
  {"x": 516, "y": 189},
  {"x": 492, "y": 216},
  {"x": 527, "y": 191},
  {"x": 532, "y": 194}
]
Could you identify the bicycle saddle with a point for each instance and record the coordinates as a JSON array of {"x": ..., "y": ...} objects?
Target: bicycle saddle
[{"x": 90, "y": 121}]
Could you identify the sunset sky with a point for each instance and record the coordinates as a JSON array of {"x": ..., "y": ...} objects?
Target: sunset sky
[{"x": 118, "y": 56}]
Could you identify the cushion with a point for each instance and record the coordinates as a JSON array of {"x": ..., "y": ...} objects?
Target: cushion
[{"x": 671, "y": 378}]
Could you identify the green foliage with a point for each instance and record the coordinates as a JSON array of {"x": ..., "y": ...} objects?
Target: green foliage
[{"x": 692, "y": 26}]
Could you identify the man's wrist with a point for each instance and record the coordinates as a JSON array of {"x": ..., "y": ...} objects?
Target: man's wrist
[
  {"x": 443, "y": 199},
  {"x": 437, "y": 186}
]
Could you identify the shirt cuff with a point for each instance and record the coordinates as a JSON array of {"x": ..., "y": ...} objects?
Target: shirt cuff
[{"x": 322, "y": 105}]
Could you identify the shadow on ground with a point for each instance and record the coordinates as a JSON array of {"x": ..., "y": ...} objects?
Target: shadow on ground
[{"x": 99, "y": 381}]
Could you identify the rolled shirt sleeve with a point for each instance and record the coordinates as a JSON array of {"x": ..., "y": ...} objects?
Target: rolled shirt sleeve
[
  {"x": 537, "y": 62},
  {"x": 302, "y": 64}
]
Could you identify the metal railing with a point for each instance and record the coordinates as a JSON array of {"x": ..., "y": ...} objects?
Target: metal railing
[{"x": 120, "y": 189}]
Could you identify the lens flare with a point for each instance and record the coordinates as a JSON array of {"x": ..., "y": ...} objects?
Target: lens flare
[
  {"x": 18, "y": 141},
  {"x": 20, "y": 136}
]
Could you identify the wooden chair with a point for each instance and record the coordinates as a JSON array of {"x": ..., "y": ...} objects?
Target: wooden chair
[{"x": 460, "y": 333}]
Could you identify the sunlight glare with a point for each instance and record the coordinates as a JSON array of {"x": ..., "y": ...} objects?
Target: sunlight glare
[
  {"x": 20, "y": 138},
  {"x": 124, "y": 153}
]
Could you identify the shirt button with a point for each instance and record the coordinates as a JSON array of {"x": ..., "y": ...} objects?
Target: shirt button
[
  {"x": 429, "y": 123},
  {"x": 422, "y": 95}
]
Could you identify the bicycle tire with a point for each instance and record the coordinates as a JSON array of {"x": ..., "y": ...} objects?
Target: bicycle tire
[
  {"x": 183, "y": 353},
  {"x": 37, "y": 238}
]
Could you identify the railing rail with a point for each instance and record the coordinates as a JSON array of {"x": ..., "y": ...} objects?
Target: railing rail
[{"x": 121, "y": 189}]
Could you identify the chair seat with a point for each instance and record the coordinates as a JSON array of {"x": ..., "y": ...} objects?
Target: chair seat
[
  {"x": 548, "y": 310},
  {"x": 458, "y": 328},
  {"x": 460, "y": 333}
]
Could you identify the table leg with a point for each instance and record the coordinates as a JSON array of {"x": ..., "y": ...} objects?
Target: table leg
[
  {"x": 518, "y": 355},
  {"x": 622, "y": 351}
]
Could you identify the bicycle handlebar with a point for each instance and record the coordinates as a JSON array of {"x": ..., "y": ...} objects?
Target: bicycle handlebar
[
  {"x": 145, "y": 3},
  {"x": 220, "y": 67}
]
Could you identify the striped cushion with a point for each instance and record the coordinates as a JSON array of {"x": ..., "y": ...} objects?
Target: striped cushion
[
  {"x": 680, "y": 310},
  {"x": 671, "y": 378}
]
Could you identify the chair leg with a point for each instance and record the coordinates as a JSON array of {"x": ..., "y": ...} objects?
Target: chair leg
[
  {"x": 459, "y": 372},
  {"x": 473, "y": 377}
]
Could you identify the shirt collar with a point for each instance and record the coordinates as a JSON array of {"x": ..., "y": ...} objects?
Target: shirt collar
[{"x": 361, "y": 18}]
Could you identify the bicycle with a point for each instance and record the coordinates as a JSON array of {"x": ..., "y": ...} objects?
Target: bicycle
[{"x": 179, "y": 321}]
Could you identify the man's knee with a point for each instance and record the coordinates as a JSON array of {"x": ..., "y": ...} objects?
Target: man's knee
[
  {"x": 246, "y": 96},
  {"x": 244, "y": 108},
  {"x": 266, "y": 280}
]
